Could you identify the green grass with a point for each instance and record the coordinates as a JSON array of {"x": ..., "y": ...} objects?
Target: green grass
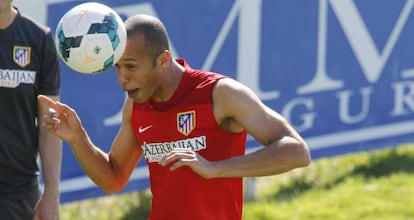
[{"x": 369, "y": 185}]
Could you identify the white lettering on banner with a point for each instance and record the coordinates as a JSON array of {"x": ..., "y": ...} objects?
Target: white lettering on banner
[
  {"x": 307, "y": 118},
  {"x": 403, "y": 96},
  {"x": 344, "y": 104},
  {"x": 371, "y": 61},
  {"x": 248, "y": 57},
  {"x": 403, "y": 105},
  {"x": 248, "y": 62},
  {"x": 321, "y": 81}
]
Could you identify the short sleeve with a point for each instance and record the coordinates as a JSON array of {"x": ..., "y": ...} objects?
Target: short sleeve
[{"x": 49, "y": 80}]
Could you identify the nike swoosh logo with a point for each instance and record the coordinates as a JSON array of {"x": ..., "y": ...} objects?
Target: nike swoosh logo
[{"x": 143, "y": 129}]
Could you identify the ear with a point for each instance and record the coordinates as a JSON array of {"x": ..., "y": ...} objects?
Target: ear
[{"x": 164, "y": 58}]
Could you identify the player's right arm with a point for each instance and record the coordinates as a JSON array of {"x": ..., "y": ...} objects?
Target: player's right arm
[{"x": 110, "y": 171}]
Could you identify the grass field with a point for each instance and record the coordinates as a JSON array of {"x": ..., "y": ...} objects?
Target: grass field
[{"x": 363, "y": 186}]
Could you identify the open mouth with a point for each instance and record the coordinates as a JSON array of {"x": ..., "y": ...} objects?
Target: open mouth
[{"x": 132, "y": 93}]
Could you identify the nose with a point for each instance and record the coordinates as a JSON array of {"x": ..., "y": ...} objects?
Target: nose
[{"x": 123, "y": 77}]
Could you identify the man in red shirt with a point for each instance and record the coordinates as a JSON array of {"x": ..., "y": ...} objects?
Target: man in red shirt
[{"x": 190, "y": 126}]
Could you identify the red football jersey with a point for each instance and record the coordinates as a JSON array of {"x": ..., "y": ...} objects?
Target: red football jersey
[{"x": 187, "y": 121}]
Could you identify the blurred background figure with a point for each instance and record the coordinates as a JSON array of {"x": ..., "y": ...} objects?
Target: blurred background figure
[{"x": 28, "y": 67}]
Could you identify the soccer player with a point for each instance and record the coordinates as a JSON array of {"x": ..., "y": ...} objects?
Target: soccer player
[
  {"x": 28, "y": 67},
  {"x": 189, "y": 125}
]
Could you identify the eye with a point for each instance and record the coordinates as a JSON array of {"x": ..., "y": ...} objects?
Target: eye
[{"x": 131, "y": 67}]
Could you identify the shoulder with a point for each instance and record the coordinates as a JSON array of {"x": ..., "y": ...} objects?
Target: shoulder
[
  {"x": 230, "y": 88},
  {"x": 203, "y": 77},
  {"x": 31, "y": 25},
  {"x": 233, "y": 98}
]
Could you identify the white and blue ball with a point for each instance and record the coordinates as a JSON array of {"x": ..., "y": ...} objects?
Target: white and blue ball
[{"x": 90, "y": 38}]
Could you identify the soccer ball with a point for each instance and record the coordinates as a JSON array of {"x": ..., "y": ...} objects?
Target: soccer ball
[{"x": 90, "y": 38}]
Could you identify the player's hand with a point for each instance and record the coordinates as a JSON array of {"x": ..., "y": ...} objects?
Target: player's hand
[
  {"x": 186, "y": 157},
  {"x": 61, "y": 120}
]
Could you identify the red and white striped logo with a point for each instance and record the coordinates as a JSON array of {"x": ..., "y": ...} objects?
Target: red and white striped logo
[
  {"x": 186, "y": 122},
  {"x": 21, "y": 55}
]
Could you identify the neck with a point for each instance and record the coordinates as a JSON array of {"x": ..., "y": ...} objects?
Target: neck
[
  {"x": 172, "y": 79},
  {"x": 7, "y": 16}
]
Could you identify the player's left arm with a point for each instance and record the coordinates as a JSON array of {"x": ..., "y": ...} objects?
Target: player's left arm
[
  {"x": 237, "y": 107},
  {"x": 50, "y": 150}
]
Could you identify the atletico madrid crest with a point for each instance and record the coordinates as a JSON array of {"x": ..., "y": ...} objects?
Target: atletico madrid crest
[
  {"x": 21, "y": 55},
  {"x": 186, "y": 122}
]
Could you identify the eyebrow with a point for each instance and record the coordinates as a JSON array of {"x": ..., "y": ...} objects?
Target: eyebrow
[{"x": 129, "y": 59}]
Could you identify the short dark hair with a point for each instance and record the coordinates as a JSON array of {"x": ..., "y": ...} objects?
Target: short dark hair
[{"x": 153, "y": 31}]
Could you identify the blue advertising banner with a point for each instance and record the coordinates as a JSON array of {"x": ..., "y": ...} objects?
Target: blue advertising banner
[{"x": 341, "y": 71}]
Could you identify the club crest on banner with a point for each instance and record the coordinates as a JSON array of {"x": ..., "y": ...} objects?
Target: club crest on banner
[
  {"x": 186, "y": 122},
  {"x": 21, "y": 55}
]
